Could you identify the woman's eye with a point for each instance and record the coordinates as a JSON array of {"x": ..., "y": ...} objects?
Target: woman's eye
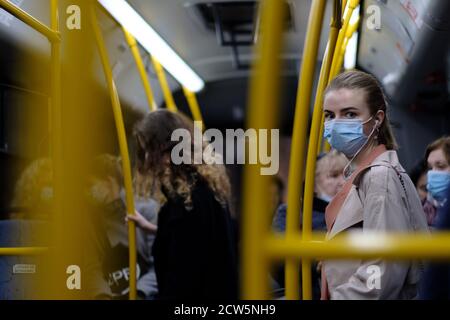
[
  {"x": 350, "y": 115},
  {"x": 328, "y": 116}
]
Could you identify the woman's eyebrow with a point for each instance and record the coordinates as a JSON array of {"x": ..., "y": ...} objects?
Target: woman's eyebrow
[{"x": 349, "y": 109}]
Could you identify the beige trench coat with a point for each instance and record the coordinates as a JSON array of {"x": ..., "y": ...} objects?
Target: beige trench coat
[{"x": 377, "y": 201}]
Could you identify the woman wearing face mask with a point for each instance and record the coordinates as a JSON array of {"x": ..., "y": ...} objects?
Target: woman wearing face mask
[
  {"x": 438, "y": 177},
  {"x": 436, "y": 281},
  {"x": 377, "y": 195}
]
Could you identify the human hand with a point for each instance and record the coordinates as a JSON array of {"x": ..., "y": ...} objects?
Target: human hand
[{"x": 141, "y": 222}]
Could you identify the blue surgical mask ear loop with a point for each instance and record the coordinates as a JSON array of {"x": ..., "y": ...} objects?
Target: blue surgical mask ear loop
[{"x": 375, "y": 128}]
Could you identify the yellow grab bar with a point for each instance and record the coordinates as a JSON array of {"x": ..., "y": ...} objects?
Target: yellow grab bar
[
  {"x": 56, "y": 145},
  {"x": 23, "y": 251},
  {"x": 351, "y": 6},
  {"x": 193, "y": 105},
  {"x": 168, "y": 97},
  {"x": 298, "y": 145},
  {"x": 350, "y": 31},
  {"x": 264, "y": 94},
  {"x": 123, "y": 146},
  {"x": 314, "y": 139},
  {"x": 389, "y": 246},
  {"x": 141, "y": 68},
  {"x": 52, "y": 35}
]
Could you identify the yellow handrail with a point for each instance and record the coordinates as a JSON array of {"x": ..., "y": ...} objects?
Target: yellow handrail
[
  {"x": 123, "y": 146},
  {"x": 141, "y": 68},
  {"x": 193, "y": 105},
  {"x": 298, "y": 144},
  {"x": 314, "y": 139},
  {"x": 168, "y": 97},
  {"x": 56, "y": 121},
  {"x": 350, "y": 31},
  {"x": 264, "y": 94},
  {"x": 389, "y": 246},
  {"x": 52, "y": 35},
  {"x": 23, "y": 251},
  {"x": 351, "y": 6}
]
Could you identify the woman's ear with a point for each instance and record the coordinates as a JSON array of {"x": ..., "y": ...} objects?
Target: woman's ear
[{"x": 379, "y": 118}]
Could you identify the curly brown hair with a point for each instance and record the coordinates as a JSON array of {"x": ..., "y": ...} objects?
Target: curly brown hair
[{"x": 154, "y": 147}]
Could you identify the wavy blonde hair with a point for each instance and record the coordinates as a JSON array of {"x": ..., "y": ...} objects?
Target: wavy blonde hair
[{"x": 161, "y": 178}]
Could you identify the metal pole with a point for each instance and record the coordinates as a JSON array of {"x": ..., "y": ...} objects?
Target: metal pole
[
  {"x": 123, "y": 146},
  {"x": 264, "y": 94},
  {"x": 298, "y": 146},
  {"x": 168, "y": 97},
  {"x": 141, "y": 68},
  {"x": 312, "y": 148}
]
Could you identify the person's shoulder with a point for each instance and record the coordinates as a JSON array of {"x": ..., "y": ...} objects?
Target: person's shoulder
[{"x": 377, "y": 178}]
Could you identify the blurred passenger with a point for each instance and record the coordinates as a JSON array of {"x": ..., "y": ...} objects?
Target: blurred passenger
[
  {"x": 33, "y": 193},
  {"x": 438, "y": 176},
  {"x": 435, "y": 283},
  {"x": 378, "y": 195},
  {"x": 329, "y": 179},
  {"x": 276, "y": 190},
  {"x": 26, "y": 226},
  {"x": 418, "y": 176},
  {"x": 194, "y": 249},
  {"x": 108, "y": 195}
]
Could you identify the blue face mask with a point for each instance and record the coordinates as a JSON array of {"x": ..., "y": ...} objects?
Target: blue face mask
[
  {"x": 437, "y": 184},
  {"x": 346, "y": 136}
]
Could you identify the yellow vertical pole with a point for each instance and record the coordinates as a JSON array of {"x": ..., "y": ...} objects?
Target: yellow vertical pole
[
  {"x": 264, "y": 94},
  {"x": 312, "y": 146},
  {"x": 297, "y": 159},
  {"x": 351, "y": 6},
  {"x": 168, "y": 97},
  {"x": 123, "y": 146},
  {"x": 193, "y": 104},
  {"x": 321, "y": 142},
  {"x": 350, "y": 31},
  {"x": 56, "y": 121},
  {"x": 141, "y": 68}
]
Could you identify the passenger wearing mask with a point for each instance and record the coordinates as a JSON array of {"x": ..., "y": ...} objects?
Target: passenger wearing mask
[
  {"x": 194, "y": 250},
  {"x": 328, "y": 181},
  {"x": 438, "y": 177},
  {"x": 377, "y": 196},
  {"x": 436, "y": 280}
]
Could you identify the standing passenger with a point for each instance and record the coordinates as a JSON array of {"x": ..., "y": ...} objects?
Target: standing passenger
[
  {"x": 438, "y": 177},
  {"x": 194, "y": 249},
  {"x": 436, "y": 280},
  {"x": 377, "y": 196}
]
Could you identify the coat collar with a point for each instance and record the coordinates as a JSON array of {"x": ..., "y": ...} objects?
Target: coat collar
[{"x": 351, "y": 210}]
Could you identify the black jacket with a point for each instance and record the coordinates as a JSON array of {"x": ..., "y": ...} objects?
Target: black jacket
[{"x": 194, "y": 250}]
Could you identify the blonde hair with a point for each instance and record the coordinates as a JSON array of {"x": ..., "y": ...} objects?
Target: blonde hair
[
  {"x": 441, "y": 143},
  {"x": 30, "y": 188},
  {"x": 333, "y": 160}
]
